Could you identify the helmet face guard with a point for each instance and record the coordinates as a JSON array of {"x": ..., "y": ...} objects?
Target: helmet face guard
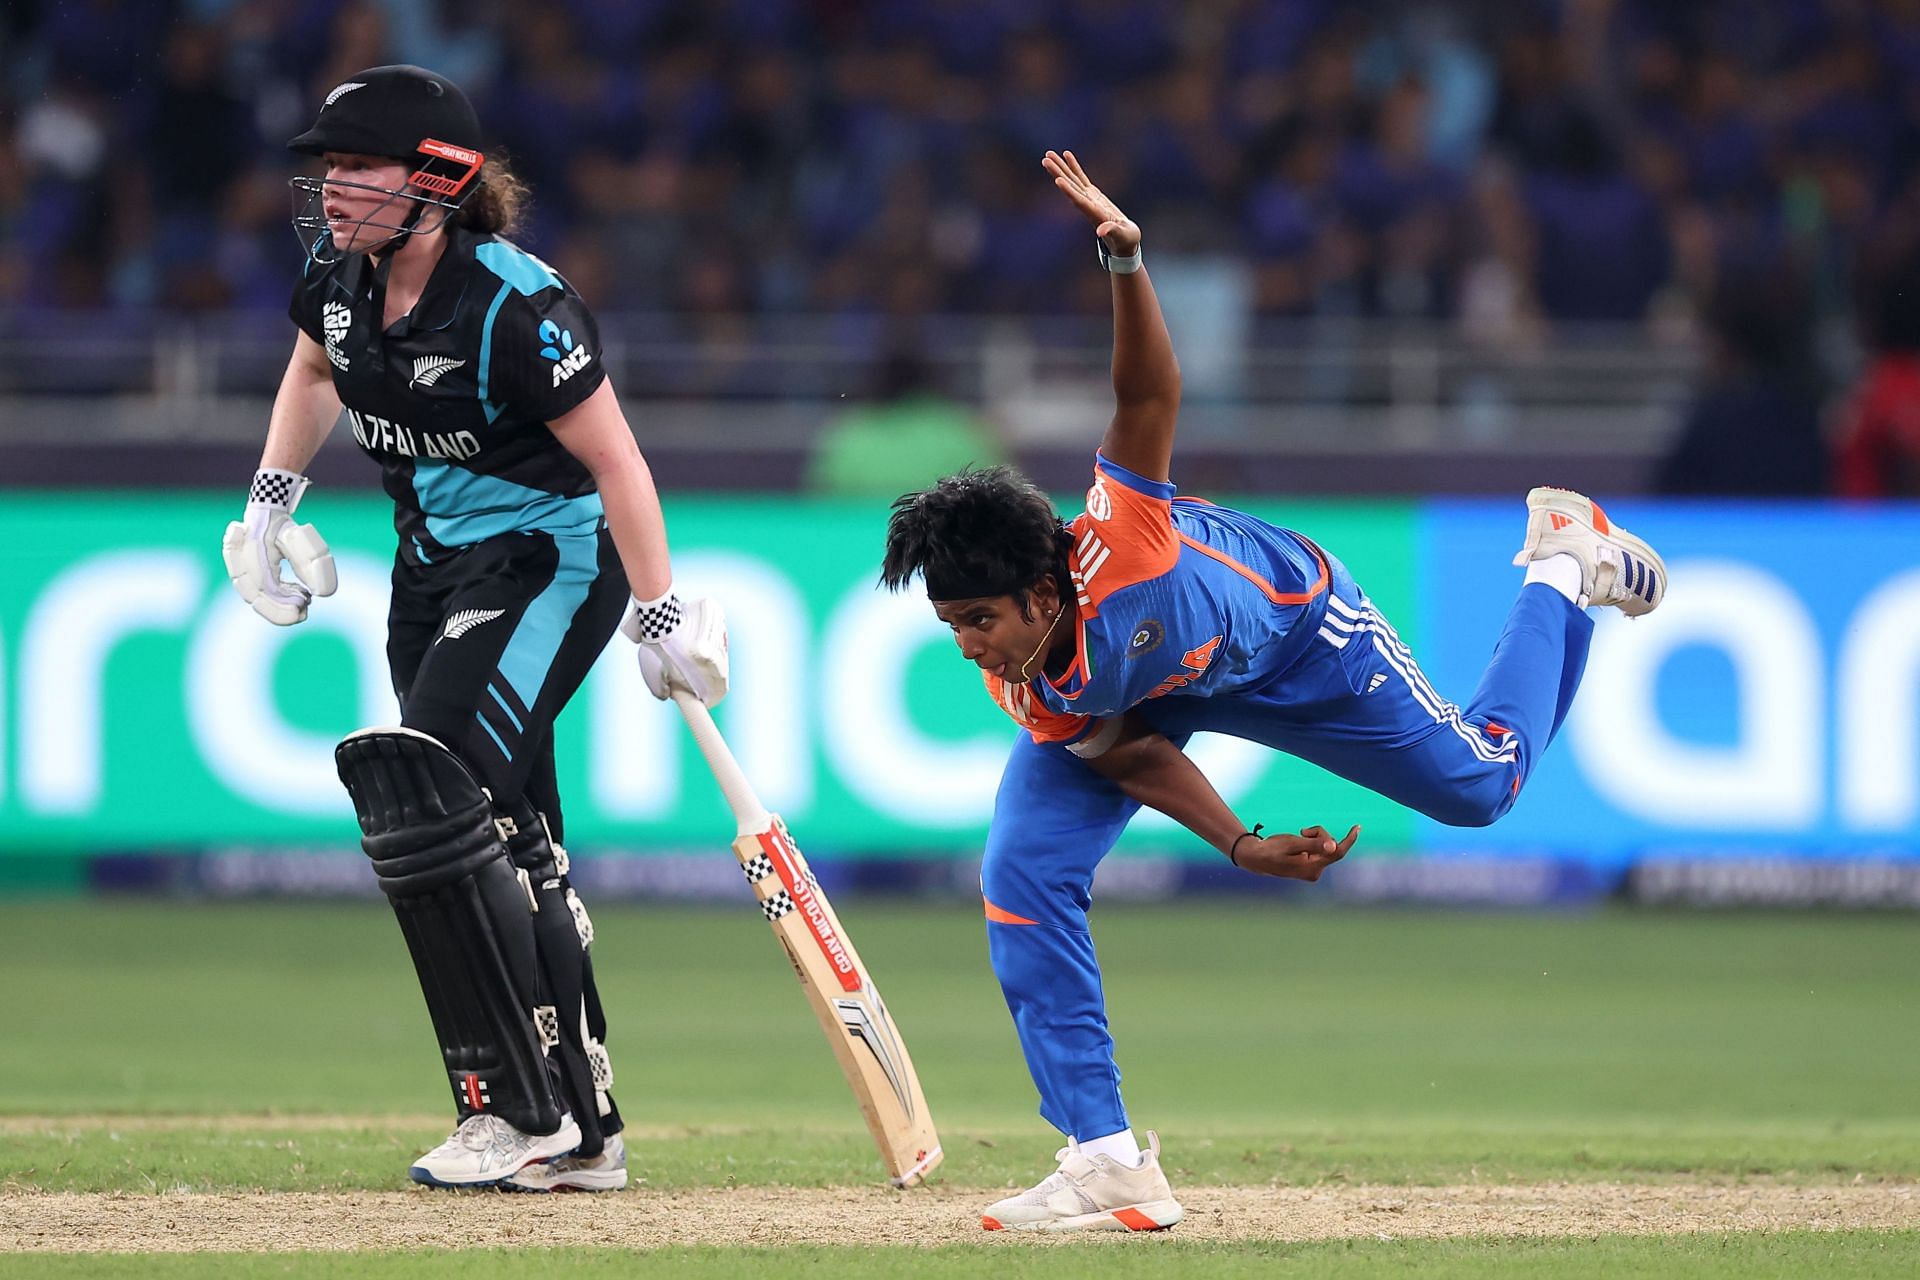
[{"x": 443, "y": 178}]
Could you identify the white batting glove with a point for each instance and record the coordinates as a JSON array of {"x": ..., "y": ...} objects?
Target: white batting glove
[
  {"x": 254, "y": 547},
  {"x": 683, "y": 645}
]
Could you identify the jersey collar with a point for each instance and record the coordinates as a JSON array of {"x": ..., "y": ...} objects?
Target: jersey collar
[
  {"x": 1073, "y": 681},
  {"x": 440, "y": 300}
]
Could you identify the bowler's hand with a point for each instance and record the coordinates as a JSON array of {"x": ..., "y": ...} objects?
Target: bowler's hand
[
  {"x": 1301, "y": 857},
  {"x": 1120, "y": 233}
]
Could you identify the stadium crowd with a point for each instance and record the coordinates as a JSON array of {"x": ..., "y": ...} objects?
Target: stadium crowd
[{"x": 1743, "y": 168}]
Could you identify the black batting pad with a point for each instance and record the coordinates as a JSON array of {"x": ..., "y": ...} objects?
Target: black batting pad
[{"x": 467, "y": 916}]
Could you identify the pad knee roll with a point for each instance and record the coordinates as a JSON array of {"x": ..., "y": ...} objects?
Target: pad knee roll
[
  {"x": 424, "y": 818},
  {"x": 467, "y": 915}
]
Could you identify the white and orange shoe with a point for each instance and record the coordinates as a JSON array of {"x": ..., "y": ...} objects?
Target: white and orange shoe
[
  {"x": 1092, "y": 1193},
  {"x": 1616, "y": 568}
]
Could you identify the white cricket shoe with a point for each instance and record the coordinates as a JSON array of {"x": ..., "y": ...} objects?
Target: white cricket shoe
[
  {"x": 604, "y": 1172},
  {"x": 486, "y": 1149},
  {"x": 1616, "y": 568},
  {"x": 1092, "y": 1193}
]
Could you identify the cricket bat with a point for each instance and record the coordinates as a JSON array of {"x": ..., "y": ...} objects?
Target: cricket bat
[{"x": 838, "y": 986}]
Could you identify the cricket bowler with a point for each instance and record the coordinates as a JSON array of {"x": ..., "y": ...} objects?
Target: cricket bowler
[{"x": 1113, "y": 638}]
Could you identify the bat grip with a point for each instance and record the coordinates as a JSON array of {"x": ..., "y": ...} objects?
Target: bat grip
[{"x": 750, "y": 815}]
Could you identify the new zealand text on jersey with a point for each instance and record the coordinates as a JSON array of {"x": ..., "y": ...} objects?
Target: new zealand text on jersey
[{"x": 377, "y": 433}]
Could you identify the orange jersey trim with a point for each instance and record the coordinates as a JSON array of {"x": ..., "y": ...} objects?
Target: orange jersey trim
[
  {"x": 1041, "y": 722},
  {"x": 1266, "y": 588},
  {"x": 1132, "y": 540},
  {"x": 1000, "y": 915},
  {"x": 1077, "y": 667}
]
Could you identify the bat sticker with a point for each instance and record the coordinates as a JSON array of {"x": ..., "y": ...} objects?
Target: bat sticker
[{"x": 871, "y": 1026}]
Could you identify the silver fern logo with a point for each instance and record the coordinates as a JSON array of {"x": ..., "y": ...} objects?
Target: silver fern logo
[
  {"x": 341, "y": 91},
  {"x": 458, "y": 624},
  {"x": 428, "y": 370}
]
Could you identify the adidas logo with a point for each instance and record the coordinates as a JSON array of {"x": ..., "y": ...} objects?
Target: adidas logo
[
  {"x": 458, "y": 624},
  {"x": 427, "y": 370},
  {"x": 1639, "y": 577},
  {"x": 1559, "y": 521},
  {"x": 1379, "y": 678}
]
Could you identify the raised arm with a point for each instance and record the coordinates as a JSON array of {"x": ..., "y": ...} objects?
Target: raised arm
[{"x": 1146, "y": 376}]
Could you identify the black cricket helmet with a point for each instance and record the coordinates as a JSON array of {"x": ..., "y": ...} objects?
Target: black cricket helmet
[{"x": 409, "y": 114}]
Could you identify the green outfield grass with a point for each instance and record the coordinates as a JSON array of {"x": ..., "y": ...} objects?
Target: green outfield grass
[
  {"x": 1785, "y": 1254},
  {"x": 1267, "y": 1044}
]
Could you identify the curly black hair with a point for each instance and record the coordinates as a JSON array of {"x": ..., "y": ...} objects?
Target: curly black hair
[{"x": 989, "y": 532}]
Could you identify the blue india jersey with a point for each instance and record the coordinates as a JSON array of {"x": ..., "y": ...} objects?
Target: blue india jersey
[{"x": 1176, "y": 597}]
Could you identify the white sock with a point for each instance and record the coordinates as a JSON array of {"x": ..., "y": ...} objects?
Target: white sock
[
  {"x": 1561, "y": 572},
  {"x": 1121, "y": 1146}
]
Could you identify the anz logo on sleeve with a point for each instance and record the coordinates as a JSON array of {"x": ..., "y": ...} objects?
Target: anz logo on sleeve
[{"x": 558, "y": 346}]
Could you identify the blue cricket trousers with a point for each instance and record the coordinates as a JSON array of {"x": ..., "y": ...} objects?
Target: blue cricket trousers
[{"x": 1355, "y": 703}]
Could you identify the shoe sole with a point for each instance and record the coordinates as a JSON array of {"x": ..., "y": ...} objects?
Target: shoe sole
[
  {"x": 565, "y": 1140},
  {"x": 1583, "y": 510},
  {"x": 585, "y": 1181},
  {"x": 1154, "y": 1215}
]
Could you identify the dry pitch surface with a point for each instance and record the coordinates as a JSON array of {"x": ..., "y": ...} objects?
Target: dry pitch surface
[
  {"x": 60, "y": 1222},
  {"x": 640, "y": 1218}
]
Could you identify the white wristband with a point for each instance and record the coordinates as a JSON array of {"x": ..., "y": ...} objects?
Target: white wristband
[{"x": 1114, "y": 262}]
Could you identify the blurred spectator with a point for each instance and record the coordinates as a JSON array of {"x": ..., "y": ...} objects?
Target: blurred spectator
[
  {"x": 1879, "y": 440},
  {"x": 908, "y": 437},
  {"x": 1601, "y": 249},
  {"x": 1754, "y": 429},
  {"x": 202, "y": 131},
  {"x": 1508, "y": 166}
]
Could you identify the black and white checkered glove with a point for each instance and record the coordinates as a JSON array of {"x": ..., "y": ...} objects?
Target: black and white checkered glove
[
  {"x": 683, "y": 645},
  {"x": 255, "y": 546}
]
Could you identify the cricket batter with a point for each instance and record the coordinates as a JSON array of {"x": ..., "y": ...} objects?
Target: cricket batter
[
  {"x": 1114, "y": 638},
  {"x": 471, "y": 372}
]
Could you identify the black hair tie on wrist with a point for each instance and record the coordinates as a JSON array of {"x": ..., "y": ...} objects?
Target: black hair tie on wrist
[{"x": 1235, "y": 849}]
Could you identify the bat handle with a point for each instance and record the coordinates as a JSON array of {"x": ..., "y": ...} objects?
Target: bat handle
[{"x": 748, "y": 812}]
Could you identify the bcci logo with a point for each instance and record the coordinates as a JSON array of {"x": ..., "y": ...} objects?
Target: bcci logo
[{"x": 1146, "y": 638}]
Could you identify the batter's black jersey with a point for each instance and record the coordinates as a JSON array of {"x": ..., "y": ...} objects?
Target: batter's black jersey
[{"x": 454, "y": 398}]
